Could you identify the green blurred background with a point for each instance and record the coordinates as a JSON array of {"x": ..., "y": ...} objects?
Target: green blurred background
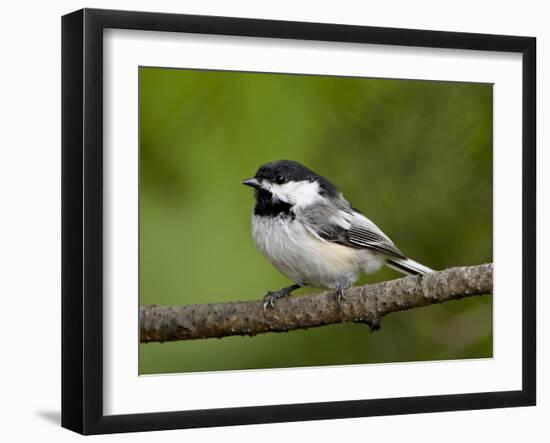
[{"x": 414, "y": 156}]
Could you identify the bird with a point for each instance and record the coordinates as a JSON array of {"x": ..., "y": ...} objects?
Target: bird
[{"x": 311, "y": 234}]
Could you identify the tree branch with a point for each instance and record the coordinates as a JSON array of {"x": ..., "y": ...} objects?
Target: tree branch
[{"x": 366, "y": 304}]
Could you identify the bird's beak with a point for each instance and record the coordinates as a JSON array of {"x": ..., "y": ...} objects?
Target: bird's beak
[{"x": 252, "y": 182}]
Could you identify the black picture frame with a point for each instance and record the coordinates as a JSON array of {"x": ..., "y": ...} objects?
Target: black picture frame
[{"x": 82, "y": 220}]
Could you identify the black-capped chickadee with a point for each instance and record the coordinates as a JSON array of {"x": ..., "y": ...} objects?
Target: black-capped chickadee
[{"x": 313, "y": 235}]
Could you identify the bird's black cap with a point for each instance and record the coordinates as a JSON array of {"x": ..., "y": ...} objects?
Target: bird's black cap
[{"x": 281, "y": 171}]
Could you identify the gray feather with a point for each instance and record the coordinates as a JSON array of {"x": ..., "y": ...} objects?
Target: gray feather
[{"x": 341, "y": 224}]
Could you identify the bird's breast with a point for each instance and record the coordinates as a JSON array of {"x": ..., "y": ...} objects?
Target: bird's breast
[{"x": 301, "y": 255}]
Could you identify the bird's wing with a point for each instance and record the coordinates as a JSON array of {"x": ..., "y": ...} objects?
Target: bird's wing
[{"x": 347, "y": 227}]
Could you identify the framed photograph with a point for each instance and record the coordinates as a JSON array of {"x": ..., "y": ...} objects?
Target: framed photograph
[{"x": 269, "y": 221}]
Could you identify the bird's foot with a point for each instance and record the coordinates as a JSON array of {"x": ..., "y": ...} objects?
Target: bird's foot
[
  {"x": 271, "y": 296},
  {"x": 340, "y": 292},
  {"x": 340, "y": 296}
]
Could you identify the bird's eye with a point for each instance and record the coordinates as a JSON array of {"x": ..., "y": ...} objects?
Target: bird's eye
[{"x": 279, "y": 179}]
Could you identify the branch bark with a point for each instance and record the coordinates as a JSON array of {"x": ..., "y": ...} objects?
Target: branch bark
[{"x": 365, "y": 304}]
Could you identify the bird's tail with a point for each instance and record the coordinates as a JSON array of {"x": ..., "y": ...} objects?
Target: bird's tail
[{"x": 408, "y": 266}]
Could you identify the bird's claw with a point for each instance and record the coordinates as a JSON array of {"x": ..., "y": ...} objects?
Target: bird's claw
[
  {"x": 340, "y": 297},
  {"x": 340, "y": 294},
  {"x": 269, "y": 300},
  {"x": 271, "y": 296}
]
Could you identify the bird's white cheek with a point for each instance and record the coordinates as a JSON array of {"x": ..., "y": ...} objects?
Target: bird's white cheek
[{"x": 302, "y": 193}]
